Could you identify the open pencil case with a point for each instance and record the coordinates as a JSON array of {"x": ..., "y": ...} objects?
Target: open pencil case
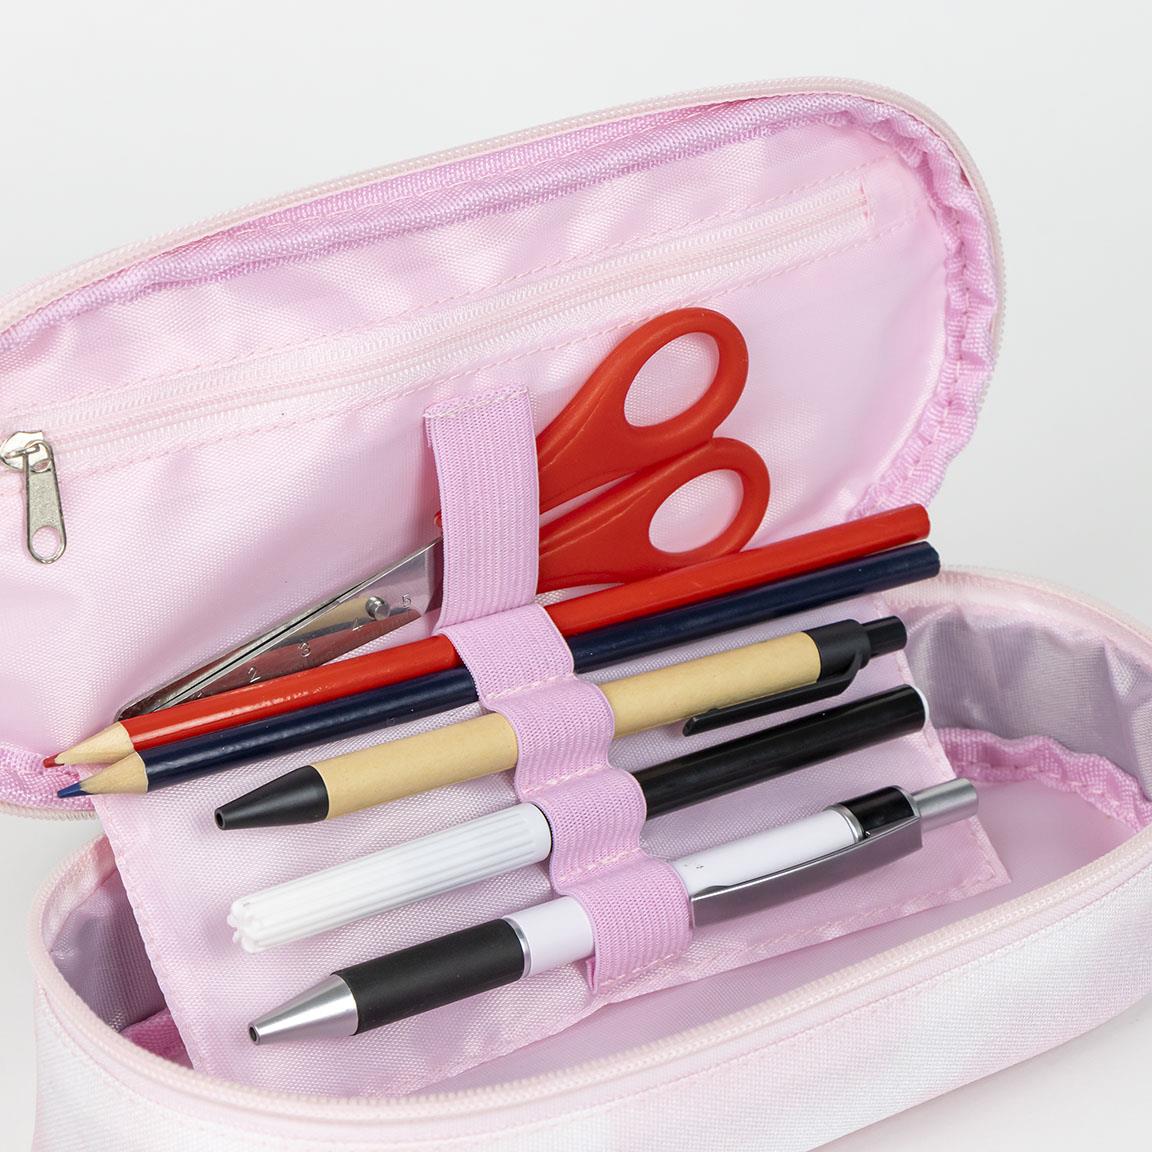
[{"x": 236, "y": 419}]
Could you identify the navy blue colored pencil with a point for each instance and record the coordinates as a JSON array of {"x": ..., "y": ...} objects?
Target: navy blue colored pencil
[{"x": 442, "y": 691}]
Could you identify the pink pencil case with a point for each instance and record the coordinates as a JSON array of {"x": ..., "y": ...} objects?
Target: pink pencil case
[{"x": 237, "y": 419}]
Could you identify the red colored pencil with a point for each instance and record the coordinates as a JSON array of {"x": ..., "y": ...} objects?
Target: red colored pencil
[{"x": 778, "y": 561}]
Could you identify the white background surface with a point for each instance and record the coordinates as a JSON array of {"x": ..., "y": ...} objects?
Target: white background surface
[{"x": 124, "y": 119}]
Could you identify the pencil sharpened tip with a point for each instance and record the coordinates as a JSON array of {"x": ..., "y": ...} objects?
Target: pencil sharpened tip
[
  {"x": 71, "y": 790},
  {"x": 51, "y": 762}
]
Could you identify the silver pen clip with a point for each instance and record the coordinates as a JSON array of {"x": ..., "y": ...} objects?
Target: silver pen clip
[
  {"x": 932, "y": 807},
  {"x": 874, "y": 851}
]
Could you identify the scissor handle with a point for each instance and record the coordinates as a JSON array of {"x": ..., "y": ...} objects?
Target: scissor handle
[
  {"x": 608, "y": 540},
  {"x": 591, "y": 442}
]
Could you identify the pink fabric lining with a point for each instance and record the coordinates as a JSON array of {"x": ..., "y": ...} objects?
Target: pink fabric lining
[
  {"x": 188, "y": 279},
  {"x": 319, "y": 337},
  {"x": 485, "y": 459},
  {"x": 861, "y": 338},
  {"x": 539, "y": 171},
  {"x": 158, "y": 1034}
]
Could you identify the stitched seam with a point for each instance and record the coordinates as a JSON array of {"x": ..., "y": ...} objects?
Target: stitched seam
[
  {"x": 628, "y": 854},
  {"x": 193, "y": 407},
  {"x": 745, "y": 211},
  {"x": 573, "y": 774},
  {"x": 616, "y": 981},
  {"x": 469, "y": 403}
]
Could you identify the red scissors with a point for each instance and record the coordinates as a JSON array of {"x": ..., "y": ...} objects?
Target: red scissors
[
  {"x": 591, "y": 443},
  {"x": 604, "y": 541}
]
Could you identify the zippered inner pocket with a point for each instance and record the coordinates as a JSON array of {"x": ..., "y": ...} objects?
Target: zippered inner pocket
[{"x": 438, "y": 340}]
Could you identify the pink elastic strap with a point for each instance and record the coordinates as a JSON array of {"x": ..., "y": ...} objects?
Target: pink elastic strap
[
  {"x": 490, "y": 496},
  {"x": 523, "y": 669}
]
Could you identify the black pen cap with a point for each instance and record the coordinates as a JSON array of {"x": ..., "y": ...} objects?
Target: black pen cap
[{"x": 886, "y": 635}]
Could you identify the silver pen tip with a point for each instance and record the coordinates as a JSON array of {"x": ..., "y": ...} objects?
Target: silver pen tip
[{"x": 326, "y": 1009}]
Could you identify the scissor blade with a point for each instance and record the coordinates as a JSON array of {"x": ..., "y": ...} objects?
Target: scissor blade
[{"x": 360, "y": 614}]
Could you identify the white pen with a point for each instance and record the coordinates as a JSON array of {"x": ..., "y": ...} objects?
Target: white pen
[{"x": 730, "y": 880}]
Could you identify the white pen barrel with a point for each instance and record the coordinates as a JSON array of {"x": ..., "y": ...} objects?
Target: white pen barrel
[
  {"x": 553, "y": 934},
  {"x": 559, "y": 931},
  {"x": 488, "y": 846},
  {"x": 767, "y": 852}
]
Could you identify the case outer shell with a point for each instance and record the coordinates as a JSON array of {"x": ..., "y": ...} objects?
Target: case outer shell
[{"x": 790, "y": 1074}]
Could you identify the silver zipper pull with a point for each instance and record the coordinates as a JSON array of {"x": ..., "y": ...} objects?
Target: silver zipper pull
[{"x": 30, "y": 453}]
